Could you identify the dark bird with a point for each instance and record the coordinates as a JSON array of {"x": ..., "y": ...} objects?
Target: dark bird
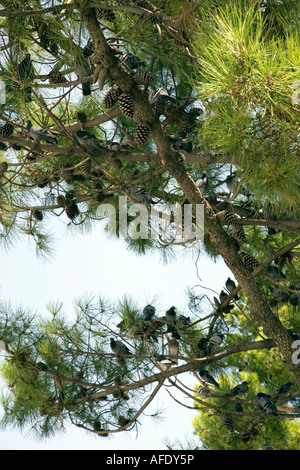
[
  {"x": 171, "y": 318},
  {"x": 119, "y": 348},
  {"x": 239, "y": 390},
  {"x": 269, "y": 215},
  {"x": 26, "y": 73},
  {"x": 39, "y": 134},
  {"x": 275, "y": 272},
  {"x": 283, "y": 389},
  {"x": 266, "y": 402},
  {"x": 148, "y": 312},
  {"x": 164, "y": 362},
  {"x": 208, "y": 378},
  {"x": 88, "y": 140},
  {"x": 183, "y": 321},
  {"x": 202, "y": 182},
  {"x": 223, "y": 296},
  {"x": 173, "y": 346},
  {"x": 230, "y": 286},
  {"x": 230, "y": 183},
  {"x": 279, "y": 295},
  {"x": 140, "y": 195},
  {"x": 83, "y": 70}
]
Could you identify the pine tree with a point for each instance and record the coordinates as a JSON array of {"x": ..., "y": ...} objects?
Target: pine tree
[{"x": 187, "y": 89}]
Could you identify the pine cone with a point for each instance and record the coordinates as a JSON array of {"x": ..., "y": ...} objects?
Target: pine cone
[
  {"x": 37, "y": 214},
  {"x": 55, "y": 78},
  {"x": 6, "y": 130},
  {"x": 142, "y": 133},
  {"x": 72, "y": 210},
  {"x": 249, "y": 261},
  {"x": 239, "y": 234},
  {"x": 227, "y": 422},
  {"x": 86, "y": 166},
  {"x": 115, "y": 163},
  {"x": 238, "y": 407},
  {"x": 102, "y": 77},
  {"x": 227, "y": 218},
  {"x": 126, "y": 104},
  {"x": 3, "y": 168},
  {"x": 111, "y": 96},
  {"x": 143, "y": 77}
]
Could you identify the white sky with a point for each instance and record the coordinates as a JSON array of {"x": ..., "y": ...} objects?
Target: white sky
[{"x": 93, "y": 264}]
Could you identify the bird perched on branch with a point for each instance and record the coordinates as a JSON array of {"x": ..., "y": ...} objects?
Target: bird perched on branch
[
  {"x": 239, "y": 390},
  {"x": 171, "y": 318},
  {"x": 148, "y": 312},
  {"x": 83, "y": 70},
  {"x": 203, "y": 392},
  {"x": 164, "y": 362},
  {"x": 283, "y": 389},
  {"x": 173, "y": 345},
  {"x": 230, "y": 286},
  {"x": 266, "y": 402},
  {"x": 40, "y": 134},
  {"x": 202, "y": 183},
  {"x": 214, "y": 342},
  {"x": 208, "y": 378},
  {"x": 88, "y": 140},
  {"x": 26, "y": 73},
  {"x": 119, "y": 348}
]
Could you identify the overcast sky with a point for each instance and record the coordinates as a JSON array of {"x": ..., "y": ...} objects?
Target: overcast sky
[{"x": 92, "y": 264}]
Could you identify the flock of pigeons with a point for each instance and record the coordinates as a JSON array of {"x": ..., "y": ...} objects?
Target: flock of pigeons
[{"x": 206, "y": 347}]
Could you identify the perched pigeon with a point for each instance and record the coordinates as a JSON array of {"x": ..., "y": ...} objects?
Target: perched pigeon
[
  {"x": 283, "y": 389},
  {"x": 173, "y": 345},
  {"x": 148, "y": 312},
  {"x": 202, "y": 182},
  {"x": 230, "y": 183},
  {"x": 141, "y": 195},
  {"x": 279, "y": 295},
  {"x": 88, "y": 140},
  {"x": 39, "y": 134},
  {"x": 183, "y": 321},
  {"x": 83, "y": 70},
  {"x": 269, "y": 215},
  {"x": 266, "y": 402},
  {"x": 208, "y": 378},
  {"x": 26, "y": 73},
  {"x": 230, "y": 286},
  {"x": 223, "y": 296},
  {"x": 203, "y": 392},
  {"x": 214, "y": 342},
  {"x": 164, "y": 362},
  {"x": 239, "y": 390},
  {"x": 171, "y": 318},
  {"x": 119, "y": 348},
  {"x": 275, "y": 272}
]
